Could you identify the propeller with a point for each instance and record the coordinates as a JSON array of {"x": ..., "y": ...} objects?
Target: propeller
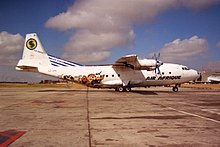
[{"x": 158, "y": 63}]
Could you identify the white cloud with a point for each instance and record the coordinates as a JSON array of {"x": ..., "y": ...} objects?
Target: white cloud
[
  {"x": 10, "y": 48},
  {"x": 218, "y": 44},
  {"x": 86, "y": 47},
  {"x": 183, "y": 50},
  {"x": 108, "y": 15},
  {"x": 102, "y": 25},
  {"x": 87, "y": 57}
]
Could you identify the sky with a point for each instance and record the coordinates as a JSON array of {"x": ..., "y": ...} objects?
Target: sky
[{"x": 101, "y": 31}]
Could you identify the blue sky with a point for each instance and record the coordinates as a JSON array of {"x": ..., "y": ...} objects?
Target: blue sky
[{"x": 184, "y": 32}]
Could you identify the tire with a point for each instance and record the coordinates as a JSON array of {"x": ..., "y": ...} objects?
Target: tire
[
  {"x": 175, "y": 89},
  {"x": 120, "y": 89},
  {"x": 127, "y": 89}
]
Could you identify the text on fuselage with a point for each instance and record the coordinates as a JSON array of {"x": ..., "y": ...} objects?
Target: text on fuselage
[{"x": 163, "y": 78}]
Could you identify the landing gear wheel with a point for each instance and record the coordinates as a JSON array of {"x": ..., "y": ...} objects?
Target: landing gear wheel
[
  {"x": 127, "y": 89},
  {"x": 175, "y": 89},
  {"x": 120, "y": 89}
]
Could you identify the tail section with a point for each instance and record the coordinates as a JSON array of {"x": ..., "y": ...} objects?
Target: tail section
[
  {"x": 33, "y": 56},
  {"x": 33, "y": 48},
  {"x": 57, "y": 62}
]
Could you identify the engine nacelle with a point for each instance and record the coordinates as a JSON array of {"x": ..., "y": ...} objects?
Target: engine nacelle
[{"x": 148, "y": 64}]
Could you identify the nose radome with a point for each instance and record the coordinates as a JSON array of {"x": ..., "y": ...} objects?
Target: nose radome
[{"x": 195, "y": 74}]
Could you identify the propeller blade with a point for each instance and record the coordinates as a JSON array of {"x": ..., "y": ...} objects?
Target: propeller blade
[
  {"x": 158, "y": 70},
  {"x": 158, "y": 63},
  {"x": 158, "y": 56}
]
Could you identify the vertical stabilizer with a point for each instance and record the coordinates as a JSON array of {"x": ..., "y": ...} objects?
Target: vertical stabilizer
[
  {"x": 34, "y": 55},
  {"x": 33, "y": 48}
]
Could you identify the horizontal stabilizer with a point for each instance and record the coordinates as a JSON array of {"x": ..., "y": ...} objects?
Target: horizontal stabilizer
[{"x": 27, "y": 68}]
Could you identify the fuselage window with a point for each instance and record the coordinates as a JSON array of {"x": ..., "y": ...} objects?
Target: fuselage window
[
  {"x": 113, "y": 75},
  {"x": 106, "y": 76},
  {"x": 169, "y": 72},
  {"x": 118, "y": 75},
  {"x": 162, "y": 73}
]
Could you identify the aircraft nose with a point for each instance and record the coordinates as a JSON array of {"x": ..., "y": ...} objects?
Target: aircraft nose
[{"x": 195, "y": 74}]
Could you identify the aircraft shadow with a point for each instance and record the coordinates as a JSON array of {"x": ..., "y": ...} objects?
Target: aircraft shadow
[
  {"x": 142, "y": 92},
  {"x": 74, "y": 90}
]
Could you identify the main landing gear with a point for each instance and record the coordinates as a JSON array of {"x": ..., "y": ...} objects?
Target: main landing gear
[
  {"x": 128, "y": 89},
  {"x": 175, "y": 88},
  {"x": 122, "y": 89}
]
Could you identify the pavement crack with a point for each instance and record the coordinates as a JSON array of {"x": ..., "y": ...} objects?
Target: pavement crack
[
  {"x": 146, "y": 117},
  {"x": 88, "y": 116}
]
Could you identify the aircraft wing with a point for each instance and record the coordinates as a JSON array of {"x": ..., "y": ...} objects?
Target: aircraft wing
[{"x": 133, "y": 62}]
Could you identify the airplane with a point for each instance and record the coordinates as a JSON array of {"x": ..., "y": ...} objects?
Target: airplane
[
  {"x": 127, "y": 72},
  {"x": 215, "y": 78}
]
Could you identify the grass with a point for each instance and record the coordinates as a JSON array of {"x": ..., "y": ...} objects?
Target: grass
[
  {"x": 80, "y": 86},
  {"x": 202, "y": 86},
  {"x": 14, "y": 85}
]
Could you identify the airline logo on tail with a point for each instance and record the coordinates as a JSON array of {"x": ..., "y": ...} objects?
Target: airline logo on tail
[{"x": 31, "y": 44}]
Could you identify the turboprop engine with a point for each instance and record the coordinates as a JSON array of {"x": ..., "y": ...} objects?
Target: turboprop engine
[{"x": 148, "y": 64}]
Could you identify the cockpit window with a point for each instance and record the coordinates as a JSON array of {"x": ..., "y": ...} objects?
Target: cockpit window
[{"x": 185, "y": 68}]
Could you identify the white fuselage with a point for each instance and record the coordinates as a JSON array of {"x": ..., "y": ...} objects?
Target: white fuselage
[{"x": 124, "y": 76}]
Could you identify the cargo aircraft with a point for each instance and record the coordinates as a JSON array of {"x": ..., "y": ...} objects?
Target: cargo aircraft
[{"x": 127, "y": 72}]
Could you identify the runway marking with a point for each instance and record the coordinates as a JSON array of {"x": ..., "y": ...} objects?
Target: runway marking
[
  {"x": 8, "y": 137},
  {"x": 214, "y": 111},
  {"x": 195, "y": 115},
  {"x": 185, "y": 103}
]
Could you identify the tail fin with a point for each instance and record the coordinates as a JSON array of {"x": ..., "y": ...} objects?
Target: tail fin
[{"x": 33, "y": 56}]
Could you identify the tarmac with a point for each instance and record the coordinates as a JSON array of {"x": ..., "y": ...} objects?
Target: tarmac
[{"x": 52, "y": 117}]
